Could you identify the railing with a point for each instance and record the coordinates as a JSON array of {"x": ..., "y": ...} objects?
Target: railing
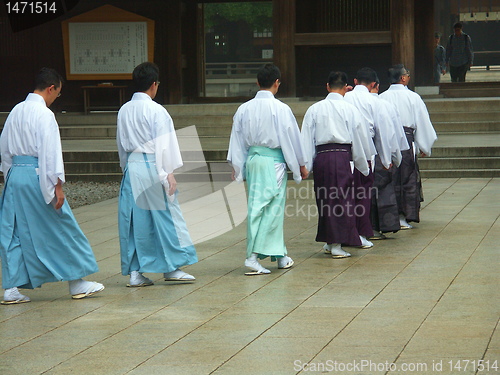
[{"x": 232, "y": 69}]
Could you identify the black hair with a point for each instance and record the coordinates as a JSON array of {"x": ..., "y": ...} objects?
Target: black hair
[
  {"x": 337, "y": 80},
  {"x": 396, "y": 72},
  {"x": 144, "y": 75},
  {"x": 437, "y": 35},
  {"x": 47, "y": 77},
  {"x": 267, "y": 75},
  {"x": 366, "y": 76},
  {"x": 458, "y": 25}
]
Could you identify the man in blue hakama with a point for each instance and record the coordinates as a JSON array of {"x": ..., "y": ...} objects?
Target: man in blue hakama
[
  {"x": 153, "y": 233},
  {"x": 40, "y": 240},
  {"x": 265, "y": 138}
]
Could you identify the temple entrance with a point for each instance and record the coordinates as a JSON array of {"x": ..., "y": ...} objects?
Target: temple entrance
[{"x": 238, "y": 40}]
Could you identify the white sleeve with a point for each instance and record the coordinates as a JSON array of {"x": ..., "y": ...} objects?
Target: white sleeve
[
  {"x": 360, "y": 143},
  {"x": 50, "y": 161},
  {"x": 237, "y": 152},
  {"x": 291, "y": 142},
  {"x": 308, "y": 134},
  {"x": 425, "y": 135},
  {"x": 167, "y": 151}
]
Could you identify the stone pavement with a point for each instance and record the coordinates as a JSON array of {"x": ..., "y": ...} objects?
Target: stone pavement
[{"x": 424, "y": 301}]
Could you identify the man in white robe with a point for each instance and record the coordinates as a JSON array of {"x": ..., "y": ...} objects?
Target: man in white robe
[
  {"x": 382, "y": 133},
  {"x": 265, "y": 138},
  {"x": 334, "y": 136},
  {"x": 420, "y": 135},
  {"x": 385, "y": 212},
  {"x": 40, "y": 240},
  {"x": 153, "y": 233}
]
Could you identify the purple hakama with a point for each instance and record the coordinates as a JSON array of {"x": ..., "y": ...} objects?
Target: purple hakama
[{"x": 334, "y": 190}]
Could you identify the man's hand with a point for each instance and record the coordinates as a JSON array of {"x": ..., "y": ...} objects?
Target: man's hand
[
  {"x": 422, "y": 154},
  {"x": 390, "y": 166},
  {"x": 59, "y": 195},
  {"x": 172, "y": 184},
  {"x": 304, "y": 173},
  {"x": 233, "y": 175}
]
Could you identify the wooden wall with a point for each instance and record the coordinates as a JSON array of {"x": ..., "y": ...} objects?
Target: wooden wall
[{"x": 24, "y": 52}]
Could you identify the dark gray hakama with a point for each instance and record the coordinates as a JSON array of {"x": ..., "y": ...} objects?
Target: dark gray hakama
[
  {"x": 364, "y": 187},
  {"x": 384, "y": 211},
  {"x": 407, "y": 182},
  {"x": 333, "y": 187}
]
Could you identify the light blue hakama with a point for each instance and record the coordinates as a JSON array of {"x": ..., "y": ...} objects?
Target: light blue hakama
[
  {"x": 37, "y": 243},
  {"x": 153, "y": 233},
  {"x": 266, "y": 203}
]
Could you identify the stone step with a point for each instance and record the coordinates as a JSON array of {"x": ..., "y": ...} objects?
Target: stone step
[
  {"x": 434, "y": 163},
  {"x": 466, "y": 126},
  {"x": 470, "y": 89},
  {"x": 465, "y": 116},
  {"x": 461, "y": 173}
]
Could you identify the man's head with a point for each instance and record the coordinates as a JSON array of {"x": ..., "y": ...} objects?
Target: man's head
[
  {"x": 145, "y": 78},
  {"x": 457, "y": 28},
  {"x": 48, "y": 84},
  {"x": 269, "y": 77},
  {"x": 437, "y": 38},
  {"x": 366, "y": 77},
  {"x": 399, "y": 74},
  {"x": 337, "y": 82}
]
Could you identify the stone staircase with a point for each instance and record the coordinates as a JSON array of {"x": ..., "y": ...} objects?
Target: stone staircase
[{"x": 468, "y": 143}]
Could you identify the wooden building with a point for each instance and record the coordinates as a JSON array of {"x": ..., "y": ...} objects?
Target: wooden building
[{"x": 309, "y": 39}]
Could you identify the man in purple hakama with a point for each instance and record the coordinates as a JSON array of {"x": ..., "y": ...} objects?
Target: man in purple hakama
[{"x": 335, "y": 141}]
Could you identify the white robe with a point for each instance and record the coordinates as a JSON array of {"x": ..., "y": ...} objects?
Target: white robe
[
  {"x": 31, "y": 129},
  {"x": 413, "y": 114},
  {"x": 145, "y": 126},
  {"x": 399, "y": 133},
  {"x": 265, "y": 121},
  {"x": 379, "y": 123},
  {"x": 334, "y": 120}
]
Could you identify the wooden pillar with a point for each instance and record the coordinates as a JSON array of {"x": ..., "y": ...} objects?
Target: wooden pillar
[
  {"x": 403, "y": 34},
  {"x": 193, "y": 48},
  {"x": 173, "y": 44},
  {"x": 284, "y": 44},
  {"x": 424, "y": 43}
]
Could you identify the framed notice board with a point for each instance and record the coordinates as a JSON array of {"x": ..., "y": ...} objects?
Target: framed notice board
[{"x": 106, "y": 43}]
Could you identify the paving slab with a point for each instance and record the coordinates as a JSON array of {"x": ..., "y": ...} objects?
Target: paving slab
[{"x": 424, "y": 301}]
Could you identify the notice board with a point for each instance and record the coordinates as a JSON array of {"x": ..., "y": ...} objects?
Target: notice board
[{"x": 106, "y": 43}]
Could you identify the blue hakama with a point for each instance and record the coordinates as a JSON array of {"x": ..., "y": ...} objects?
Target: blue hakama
[
  {"x": 153, "y": 233},
  {"x": 38, "y": 244},
  {"x": 266, "y": 203}
]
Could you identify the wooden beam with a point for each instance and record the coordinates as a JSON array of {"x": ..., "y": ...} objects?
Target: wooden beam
[
  {"x": 284, "y": 44},
  {"x": 343, "y": 38},
  {"x": 424, "y": 43},
  {"x": 403, "y": 34}
]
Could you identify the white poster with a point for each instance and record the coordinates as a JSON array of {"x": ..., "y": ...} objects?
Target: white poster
[{"x": 107, "y": 47}]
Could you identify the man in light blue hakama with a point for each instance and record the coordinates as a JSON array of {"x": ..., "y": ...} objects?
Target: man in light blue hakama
[
  {"x": 265, "y": 138},
  {"x": 40, "y": 240},
  {"x": 153, "y": 233}
]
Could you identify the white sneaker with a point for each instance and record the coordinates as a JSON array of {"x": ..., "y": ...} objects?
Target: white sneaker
[
  {"x": 178, "y": 275},
  {"x": 285, "y": 262},
  {"x": 365, "y": 244},
  {"x": 138, "y": 280},
  {"x": 81, "y": 288},
  {"x": 12, "y": 296},
  {"x": 337, "y": 251}
]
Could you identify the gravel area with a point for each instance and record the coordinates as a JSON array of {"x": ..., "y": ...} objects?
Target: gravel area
[{"x": 82, "y": 193}]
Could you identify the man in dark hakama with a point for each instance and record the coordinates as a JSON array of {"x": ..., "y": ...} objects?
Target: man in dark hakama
[{"x": 334, "y": 140}]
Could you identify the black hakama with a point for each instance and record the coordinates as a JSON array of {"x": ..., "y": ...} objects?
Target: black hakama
[
  {"x": 384, "y": 212},
  {"x": 407, "y": 182}
]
